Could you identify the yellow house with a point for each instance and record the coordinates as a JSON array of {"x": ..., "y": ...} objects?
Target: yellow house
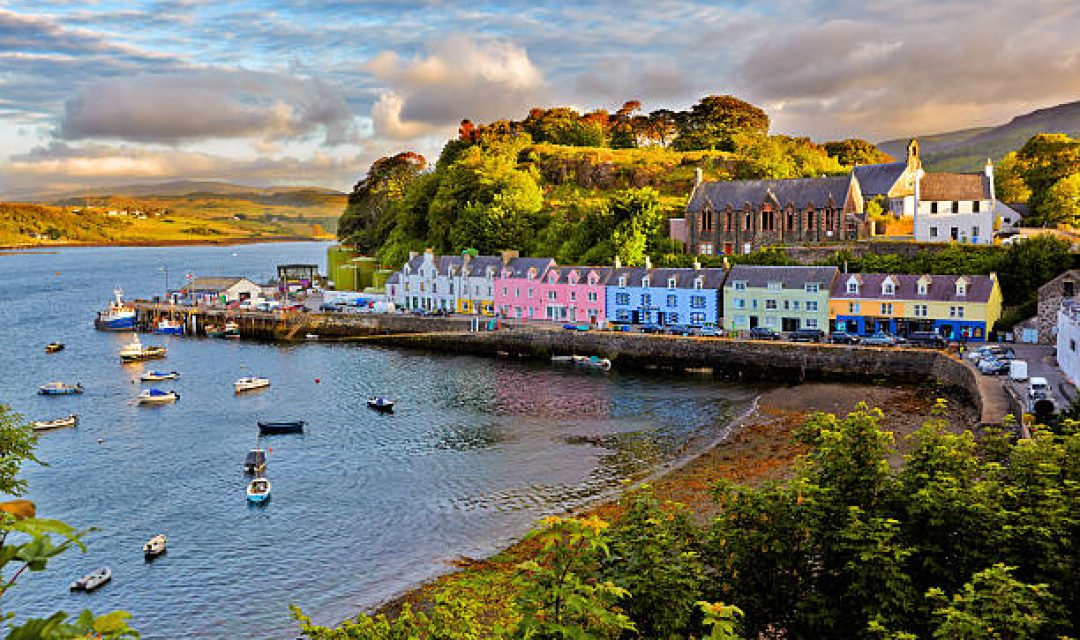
[{"x": 950, "y": 305}]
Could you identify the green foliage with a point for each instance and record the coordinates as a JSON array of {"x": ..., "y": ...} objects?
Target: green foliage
[
  {"x": 375, "y": 198},
  {"x": 449, "y": 619},
  {"x": 655, "y": 556},
  {"x": 723, "y": 620},
  {"x": 17, "y": 441},
  {"x": 856, "y": 151},
  {"x": 715, "y": 122},
  {"x": 110, "y": 626},
  {"x": 1009, "y": 185},
  {"x": 994, "y": 605},
  {"x": 777, "y": 157},
  {"x": 559, "y": 597},
  {"x": 1041, "y": 163},
  {"x": 1062, "y": 202}
]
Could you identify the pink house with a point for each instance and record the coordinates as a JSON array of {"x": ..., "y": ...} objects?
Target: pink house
[
  {"x": 518, "y": 288},
  {"x": 575, "y": 294}
]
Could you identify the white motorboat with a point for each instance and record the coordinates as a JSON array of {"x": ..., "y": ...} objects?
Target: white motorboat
[
  {"x": 155, "y": 546},
  {"x": 59, "y": 423},
  {"x": 563, "y": 359},
  {"x": 93, "y": 580},
  {"x": 258, "y": 490},
  {"x": 157, "y": 396},
  {"x": 250, "y": 383},
  {"x": 156, "y": 376}
]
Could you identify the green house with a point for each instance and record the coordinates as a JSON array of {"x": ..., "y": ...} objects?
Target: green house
[{"x": 778, "y": 298}]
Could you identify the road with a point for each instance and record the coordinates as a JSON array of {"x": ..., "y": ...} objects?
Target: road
[{"x": 1042, "y": 363}]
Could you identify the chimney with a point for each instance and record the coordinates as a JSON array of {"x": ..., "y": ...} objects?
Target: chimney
[
  {"x": 648, "y": 262},
  {"x": 697, "y": 265},
  {"x": 508, "y": 255},
  {"x": 727, "y": 264},
  {"x": 845, "y": 266},
  {"x": 698, "y": 179},
  {"x": 413, "y": 254},
  {"x": 618, "y": 263}
]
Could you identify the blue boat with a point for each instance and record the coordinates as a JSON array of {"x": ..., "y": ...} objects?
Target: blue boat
[
  {"x": 117, "y": 316},
  {"x": 258, "y": 490},
  {"x": 59, "y": 389},
  {"x": 169, "y": 327}
]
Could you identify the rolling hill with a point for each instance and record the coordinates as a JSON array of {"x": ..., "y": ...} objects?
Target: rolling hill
[{"x": 968, "y": 149}]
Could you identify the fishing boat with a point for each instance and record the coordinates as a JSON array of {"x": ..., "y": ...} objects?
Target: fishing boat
[
  {"x": 59, "y": 423},
  {"x": 155, "y": 547},
  {"x": 250, "y": 383},
  {"x": 169, "y": 327},
  {"x": 258, "y": 490},
  {"x": 381, "y": 404},
  {"x": 136, "y": 351},
  {"x": 255, "y": 461},
  {"x": 232, "y": 330},
  {"x": 215, "y": 331},
  {"x": 286, "y": 426},
  {"x": 157, "y": 396},
  {"x": 117, "y": 316},
  {"x": 53, "y": 347},
  {"x": 59, "y": 389},
  {"x": 155, "y": 376},
  {"x": 93, "y": 580}
]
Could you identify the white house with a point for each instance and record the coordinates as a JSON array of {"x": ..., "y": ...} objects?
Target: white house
[
  {"x": 461, "y": 284},
  {"x": 958, "y": 207},
  {"x": 218, "y": 289},
  {"x": 1068, "y": 340}
]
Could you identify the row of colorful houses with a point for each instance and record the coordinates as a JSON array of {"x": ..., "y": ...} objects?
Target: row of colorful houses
[{"x": 781, "y": 298}]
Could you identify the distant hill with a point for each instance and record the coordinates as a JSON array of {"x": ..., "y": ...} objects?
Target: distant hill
[
  {"x": 967, "y": 150},
  {"x": 179, "y": 188}
]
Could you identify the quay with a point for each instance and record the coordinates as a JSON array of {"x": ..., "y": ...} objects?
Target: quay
[{"x": 726, "y": 358}]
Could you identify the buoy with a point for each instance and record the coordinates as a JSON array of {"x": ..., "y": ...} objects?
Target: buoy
[
  {"x": 101, "y": 440},
  {"x": 316, "y": 381}
]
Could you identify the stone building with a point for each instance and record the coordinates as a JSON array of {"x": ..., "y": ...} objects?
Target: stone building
[
  {"x": 1064, "y": 287},
  {"x": 739, "y": 216},
  {"x": 894, "y": 182},
  {"x": 957, "y": 207}
]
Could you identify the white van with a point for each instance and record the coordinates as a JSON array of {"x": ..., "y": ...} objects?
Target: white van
[
  {"x": 1038, "y": 388},
  {"x": 1018, "y": 370}
]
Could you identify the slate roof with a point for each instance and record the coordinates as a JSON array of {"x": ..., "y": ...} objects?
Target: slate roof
[
  {"x": 797, "y": 191},
  {"x": 942, "y": 288},
  {"x": 954, "y": 186},
  {"x": 519, "y": 267},
  {"x": 684, "y": 277},
  {"x": 877, "y": 179},
  {"x": 633, "y": 276},
  {"x": 583, "y": 274},
  {"x": 789, "y": 277},
  {"x": 395, "y": 278},
  {"x": 214, "y": 283},
  {"x": 479, "y": 265}
]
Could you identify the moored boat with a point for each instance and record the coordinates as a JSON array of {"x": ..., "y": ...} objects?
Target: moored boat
[
  {"x": 258, "y": 490},
  {"x": 136, "y": 351},
  {"x": 250, "y": 383},
  {"x": 155, "y": 376},
  {"x": 596, "y": 362},
  {"x": 215, "y": 331},
  {"x": 93, "y": 580},
  {"x": 169, "y": 327},
  {"x": 255, "y": 461},
  {"x": 157, "y": 396},
  {"x": 382, "y": 404},
  {"x": 232, "y": 330},
  {"x": 59, "y": 423},
  {"x": 155, "y": 546},
  {"x": 563, "y": 359},
  {"x": 117, "y": 316},
  {"x": 59, "y": 389},
  {"x": 285, "y": 426},
  {"x": 53, "y": 347}
]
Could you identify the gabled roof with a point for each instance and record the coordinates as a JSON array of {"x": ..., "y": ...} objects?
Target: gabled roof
[
  {"x": 954, "y": 186},
  {"x": 633, "y": 276},
  {"x": 712, "y": 278},
  {"x": 214, "y": 283},
  {"x": 394, "y": 278},
  {"x": 519, "y": 267},
  {"x": 789, "y": 277},
  {"x": 799, "y": 192},
  {"x": 942, "y": 288},
  {"x": 878, "y": 179},
  {"x": 583, "y": 274}
]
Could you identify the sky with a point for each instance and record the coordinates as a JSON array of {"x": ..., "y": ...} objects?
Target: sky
[{"x": 310, "y": 92}]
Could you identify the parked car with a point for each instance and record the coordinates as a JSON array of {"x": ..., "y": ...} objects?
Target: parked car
[
  {"x": 763, "y": 333},
  {"x": 329, "y": 306},
  {"x": 807, "y": 335},
  {"x": 996, "y": 351},
  {"x": 843, "y": 337},
  {"x": 709, "y": 331},
  {"x": 930, "y": 339},
  {"x": 993, "y": 366},
  {"x": 881, "y": 339},
  {"x": 1038, "y": 388}
]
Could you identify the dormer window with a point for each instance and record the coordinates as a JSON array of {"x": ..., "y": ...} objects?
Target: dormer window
[
  {"x": 671, "y": 283},
  {"x": 699, "y": 282},
  {"x": 775, "y": 286},
  {"x": 888, "y": 288},
  {"x": 853, "y": 286},
  {"x": 593, "y": 278},
  {"x": 531, "y": 274},
  {"x": 961, "y": 288},
  {"x": 923, "y": 286},
  {"x": 622, "y": 281},
  {"x": 645, "y": 282},
  {"x": 552, "y": 278}
]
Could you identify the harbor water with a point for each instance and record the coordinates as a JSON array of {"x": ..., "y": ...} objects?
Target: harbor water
[{"x": 364, "y": 504}]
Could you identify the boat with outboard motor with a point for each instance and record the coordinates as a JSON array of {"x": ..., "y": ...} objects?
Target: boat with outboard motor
[
  {"x": 156, "y": 376},
  {"x": 136, "y": 351},
  {"x": 155, "y": 547},
  {"x": 117, "y": 316},
  {"x": 381, "y": 404},
  {"x": 169, "y": 327},
  {"x": 284, "y": 426},
  {"x": 92, "y": 581},
  {"x": 250, "y": 383},
  {"x": 59, "y": 389},
  {"x": 59, "y": 423},
  {"x": 53, "y": 347},
  {"x": 258, "y": 490},
  {"x": 157, "y": 396}
]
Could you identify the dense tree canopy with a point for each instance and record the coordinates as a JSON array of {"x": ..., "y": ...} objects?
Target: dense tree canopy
[
  {"x": 1034, "y": 172},
  {"x": 856, "y": 151},
  {"x": 715, "y": 121},
  {"x": 374, "y": 198}
]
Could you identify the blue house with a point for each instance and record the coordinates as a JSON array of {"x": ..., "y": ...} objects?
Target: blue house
[{"x": 672, "y": 298}]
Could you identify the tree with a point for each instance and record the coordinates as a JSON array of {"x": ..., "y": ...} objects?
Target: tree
[
  {"x": 1009, "y": 185},
  {"x": 996, "y": 606},
  {"x": 1044, "y": 160},
  {"x": 856, "y": 151},
  {"x": 714, "y": 122},
  {"x": 1061, "y": 204},
  {"x": 777, "y": 157},
  {"x": 376, "y": 197},
  {"x": 660, "y": 127}
]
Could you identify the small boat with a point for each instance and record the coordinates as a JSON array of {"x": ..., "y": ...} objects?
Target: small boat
[
  {"x": 155, "y": 547},
  {"x": 59, "y": 389},
  {"x": 312, "y": 337},
  {"x": 232, "y": 330},
  {"x": 135, "y": 351},
  {"x": 255, "y": 462},
  {"x": 53, "y": 347},
  {"x": 563, "y": 359},
  {"x": 117, "y": 316},
  {"x": 93, "y": 580},
  {"x": 287, "y": 426},
  {"x": 157, "y": 396},
  {"x": 596, "y": 362},
  {"x": 382, "y": 404},
  {"x": 59, "y": 423},
  {"x": 155, "y": 376},
  {"x": 215, "y": 331},
  {"x": 169, "y": 327},
  {"x": 258, "y": 490},
  {"x": 250, "y": 383}
]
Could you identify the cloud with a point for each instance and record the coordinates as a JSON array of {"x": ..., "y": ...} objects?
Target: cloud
[
  {"x": 617, "y": 80},
  {"x": 206, "y": 104},
  {"x": 459, "y": 78}
]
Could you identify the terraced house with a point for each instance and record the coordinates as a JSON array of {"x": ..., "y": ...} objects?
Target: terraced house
[
  {"x": 952, "y": 306},
  {"x": 681, "y": 298},
  {"x": 520, "y": 289},
  {"x": 575, "y": 294},
  {"x": 462, "y": 284},
  {"x": 779, "y": 298}
]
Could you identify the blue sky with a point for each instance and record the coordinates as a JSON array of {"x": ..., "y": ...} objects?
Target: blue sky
[{"x": 310, "y": 92}]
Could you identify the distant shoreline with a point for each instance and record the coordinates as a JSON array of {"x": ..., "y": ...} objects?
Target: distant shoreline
[{"x": 158, "y": 243}]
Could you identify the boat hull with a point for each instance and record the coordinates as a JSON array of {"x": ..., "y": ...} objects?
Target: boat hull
[
  {"x": 170, "y": 331},
  {"x": 49, "y": 425},
  {"x": 275, "y": 428},
  {"x": 71, "y": 391},
  {"x": 115, "y": 323}
]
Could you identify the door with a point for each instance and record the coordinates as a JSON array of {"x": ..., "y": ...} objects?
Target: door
[
  {"x": 954, "y": 233},
  {"x": 635, "y": 317},
  {"x": 789, "y": 324},
  {"x": 753, "y": 321}
]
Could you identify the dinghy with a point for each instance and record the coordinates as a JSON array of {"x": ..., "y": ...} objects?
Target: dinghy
[
  {"x": 250, "y": 383},
  {"x": 258, "y": 490},
  {"x": 381, "y": 404},
  {"x": 155, "y": 546},
  {"x": 287, "y": 426},
  {"x": 53, "y": 347},
  {"x": 155, "y": 376},
  {"x": 157, "y": 396},
  {"x": 93, "y": 580},
  {"x": 59, "y": 423}
]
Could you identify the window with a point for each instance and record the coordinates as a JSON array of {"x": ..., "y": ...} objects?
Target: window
[
  {"x": 529, "y": 293},
  {"x": 888, "y": 288},
  {"x": 696, "y": 318},
  {"x": 671, "y": 283},
  {"x": 955, "y": 207},
  {"x": 770, "y": 305},
  {"x": 573, "y": 296},
  {"x": 922, "y": 288},
  {"x": 886, "y": 308},
  {"x": 920, "y": 311},
  {"x": 622, "y": 298},
  {"x": 739, "y": 286},
  {"x": 645, "y": 282},
  {"x": 1068, "y": 288},
  {"x": 961, "y": 288},
  {"x": 956, "y": 312},
  {"x": 933, "y": 232},
  {"x": 975, "y": 206},
  {"x": 1072, "y": 345},
  {"x": 740, "y": 303},
  {"x": 698, "y": 282},
  {"x": 974, "y": 232},
  {"x": 754, "y": 303},
  {"x": 770, "y": 321},
  {"x": 811, "y": 305},
  {"x": 740, "y": 321},
  {"x": 672, "y": 301},
  {"x": 646, "y": 299},
  {"x": 705, "y": 248},
  {"x": 811, "y": 287},
  {"x": 504, "y": 292},
  {"x": 552, "y": 295},
  {"x": 592, "y": 296},
  {"x": 933, "y": 207},
  {"x": 622, "y": 281},
  {"x": 809, "y": 323},
  {"x": 697, "y": 302},
  {"x": 852, "y": 286},
  {"x": 787, "y": 305},
  {"x": 672, "y": 318},
  {"x": 622, "y": 314},
  {"x": 853, "y": 307},
  {"x": 795, "y": 305},
  {"x": 775, "y": 286},
  {"x": 517, "y": 293}
]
